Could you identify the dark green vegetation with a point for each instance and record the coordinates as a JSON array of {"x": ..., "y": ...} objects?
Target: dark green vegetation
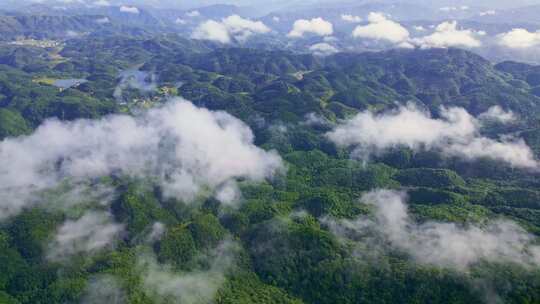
[{"x": 283, "y": 258}]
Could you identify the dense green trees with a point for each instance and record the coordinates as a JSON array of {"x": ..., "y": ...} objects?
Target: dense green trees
[
  {"x": 139, "y": 208},
  {"x": 286, "y": 250},
  {"x": 177, "y": 246},
  {"x": 425, "y": 177},
  {"x": 12, "y": 124}
]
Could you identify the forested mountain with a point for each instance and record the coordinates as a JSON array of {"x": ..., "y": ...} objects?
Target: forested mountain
[
  {"x": 60, "y": 27},
  {"x": 153, "y": 168},
  {"x": 46, "y": 26}
]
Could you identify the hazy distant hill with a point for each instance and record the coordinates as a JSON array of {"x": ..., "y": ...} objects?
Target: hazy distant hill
[{"x": 37, "y": 26}]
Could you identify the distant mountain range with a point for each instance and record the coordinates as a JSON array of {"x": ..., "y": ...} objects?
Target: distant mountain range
[
  {"x": 52, "y": 20},
  {"x": 37, "y": 26}
]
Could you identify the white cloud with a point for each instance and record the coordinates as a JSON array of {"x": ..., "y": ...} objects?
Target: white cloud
[
  {"x": 129, "y": 9},
  {"x": 231, "y": 27},
  {"x": 314, "y": 119},
  {"x": 441, "y": 244},
  {"x": 180, "y": 21},
  {"x": 180, "y": 146},
  {"x": 241, "y": 28},
  {"x": 164, "y": 285},
  {"x": 157, "y": 232},
  {"x": 323, "y": 49},
  {"x": 316, "y": 26},
  {"x": 92, "y": 232},
  {"x": 276, "y": 19},
  {"x": 405, "y": 45},
  {"x": 193, "y": 14},
  {"x": 135, "y": 79},
  {"x": 229, "y": 194},
  {"x": 448, "y": 35},
  {"x": 456, "y": 133},
  {"x": 381, "y": 28},
  {"x": 488, "y": 13},
  {"x": 80, "y": 194},
  {"x": 72, "y": 34},
  {"x": 351, "y": 18},
  {"x": 514, "y": 152},
  {"x": 419, "y": 28},
  {"x": 212, "y": 30},
  {"x": 499, "y": 114},
  {"x": 101, "y": 3},
  {"x": 520, "y": 38},
  {"x": 454, "y": 8},
  {"x": 330, "y": 39},
  {"x": 103, "y": 20},
  {"x": 406, "y": 126}
]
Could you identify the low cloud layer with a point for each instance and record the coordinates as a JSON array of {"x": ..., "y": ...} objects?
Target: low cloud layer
[
  {"x": 454, "y": 8},
  {"x": 193, "y": 14},
  {"x": 496, "y": 113},
  {"x": 181, "y": 147},
  {"x": 447, "y": 34},
  {"x": 323, "y": 49},
  {"x": 103, "y": 20},
  {"x": 89, "y": 234},
  {"x": 441, "y": 244},
  {"x": 101, "y": 3},
  {"x": 314, "y": 119},
  {"x": 520, "y": 38},
  {"x": 488, "y": 13},
  {"x": 351, "y": 18},
  {"x": 456, "y": 133},
  {"x": 315, "y": 26},
  {"x": 516, "y": 43},
  {"x": 129, "y": 9},
  {"x": 134, "y": 79},
  {"x": 104, "y": 289},
  {"x": 382, "y": 28},
  {"x": 229, "y": 194},
  {"x": 165, "y": 285},
  {"x": 232, "y": 27}
]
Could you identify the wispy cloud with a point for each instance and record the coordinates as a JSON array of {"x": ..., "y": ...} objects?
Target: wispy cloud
[
  {"x": 129, "y": 9},
  {"x": 496, "y": 113},
  {"x": 193, "y": 14},
  {"x": 179, "y": 146},
  {"x": 437, "y": 243},
  {"x": 199, "y": 286},
  {"x": 351, "y": 18},
  {"x": 323, "y": 49},
  {"x": 87, "y": 235},
  {"x": 104, "y": 289},
  {"x": 456, "y": 133}
]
